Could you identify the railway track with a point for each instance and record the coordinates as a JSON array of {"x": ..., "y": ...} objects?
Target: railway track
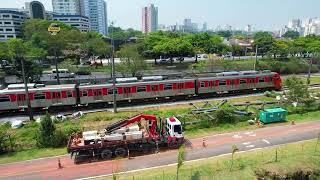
[{"x": 138, "y": 105}]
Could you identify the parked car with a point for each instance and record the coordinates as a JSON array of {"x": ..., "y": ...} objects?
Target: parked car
[
  {"x": 180, "y": 59},
  {"x": 164, "y": 61},
  {"x": 63, "y": 73}
]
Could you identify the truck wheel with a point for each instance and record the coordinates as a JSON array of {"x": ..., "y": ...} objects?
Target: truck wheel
[
  {"x": 120, "y": 152},
  {"x": 174, "y": 144},
  {"x": 106, "y": 154}
]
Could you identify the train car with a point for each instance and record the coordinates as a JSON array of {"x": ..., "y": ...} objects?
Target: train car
[
  {"x": 40, "y": 97},
  {"x": 136, "y": 90},
  {"x": 239, "y": 81}
]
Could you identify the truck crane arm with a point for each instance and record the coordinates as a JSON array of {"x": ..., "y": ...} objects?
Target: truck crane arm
[{"x": 126, "y": 122}]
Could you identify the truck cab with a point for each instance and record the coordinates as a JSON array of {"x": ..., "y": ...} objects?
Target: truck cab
[{"x": 174, "y": 131}]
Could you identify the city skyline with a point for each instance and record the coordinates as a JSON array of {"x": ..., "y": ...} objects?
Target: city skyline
[{"x": 267, "y": 15}]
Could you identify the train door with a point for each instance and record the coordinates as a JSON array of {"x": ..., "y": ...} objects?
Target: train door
[
  {"x": 97, "y": 94},
  {"x": 155, "y": 90},
  {"x": 127, "y": 92},
  {"x": 22, "y": 100},
  {"x": 56, "y": 97},
  {"x": 180, "y": 87}
]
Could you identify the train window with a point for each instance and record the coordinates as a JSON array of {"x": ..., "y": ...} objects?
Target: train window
[
  {"x": 261, "y": 79},
  {"x": 168, "y": 87},
  {"x": 154, "y": 88},
  {"x": 84, "y": 93},
  {"x": 97, "y": 92},
  {"x": 39, "y": 96},
  {"x": 242, "y": 81},
  {"x": 141, "y": 89},
  {"x": 4, "y": 99},
  {"x": 202, "y": 84},
  {"x": 110, "y": 91},
  {"x": 69, "y": 94},
  {"x": 222, "y": 82}
]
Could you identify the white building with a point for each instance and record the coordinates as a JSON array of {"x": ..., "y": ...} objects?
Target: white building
[
  {"x": 248, "y": 29},
  {"x": 77, "y": 21},
  {"x": 96, "y": 11},
  {"x": 67, "y": 7},
  {"x": 204, "y": 27},
  {"x": 10, "y": 23},
  {"x": 149, "y": 19},
  {"x": 312, "y": 26}
]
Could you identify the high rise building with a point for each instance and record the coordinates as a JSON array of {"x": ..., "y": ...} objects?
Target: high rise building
[
  {"x": 36, "y": 10},
  {"x": 149, "y": 19},
  {"x": 96, "y": 11},
  {"x": 67, "y": 7},
  {"x": 205, "y": 27},
  {"x": 248, "y": 29}
]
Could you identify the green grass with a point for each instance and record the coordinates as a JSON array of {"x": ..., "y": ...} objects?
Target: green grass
[
  {"x": 309, "y": 116},
  {"x": 31, "y": 154},
  {"x": 291, "y": 158}
]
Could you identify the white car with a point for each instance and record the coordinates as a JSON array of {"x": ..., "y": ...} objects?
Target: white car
[{"x": 63, "y": 73}]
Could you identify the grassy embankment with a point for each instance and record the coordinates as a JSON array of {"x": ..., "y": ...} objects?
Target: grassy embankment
[{"x": 292, "y": 158}]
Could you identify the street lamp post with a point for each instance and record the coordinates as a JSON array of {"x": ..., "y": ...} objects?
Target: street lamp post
[
  {"x": 54, "y": 29},
  {"x": 30, "y": 111},
  {"x": 113, "y": 73},
  {"x": 255, "y": 61}
]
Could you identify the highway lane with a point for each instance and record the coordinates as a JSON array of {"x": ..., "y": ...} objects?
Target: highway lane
[{"x": 47, "y": 168}]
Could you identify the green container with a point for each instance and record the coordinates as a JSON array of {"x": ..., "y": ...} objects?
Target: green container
[{"x": 273, "y": 115}]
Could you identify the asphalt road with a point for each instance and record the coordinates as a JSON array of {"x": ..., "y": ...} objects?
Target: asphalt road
[{"x": 47, "y": 168}]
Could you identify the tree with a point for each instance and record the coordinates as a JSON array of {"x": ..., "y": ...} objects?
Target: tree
[
  {"x": 234, "y": 150},
  {"x": 131, "y": 63},
  {"x": 291, "y": 35},
  {"x": 24, "y": 52},
  {"x": 225, "y": 34},
  {"x": 6, "y": 141},
  {"x": 264, "y": 41},
  {"x": 46, "y": 132},
  {"x": 181, "y": 159},
  {"x": 280, "y": 47},
  {"x": 298, "y": 90},
  {"x": 173, "y": 47}
]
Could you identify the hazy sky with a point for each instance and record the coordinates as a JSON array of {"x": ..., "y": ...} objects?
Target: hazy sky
[{"x": 262, "y": 14}]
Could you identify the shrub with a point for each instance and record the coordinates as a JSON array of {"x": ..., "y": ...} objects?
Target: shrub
[{"x": 46, "y": 132}]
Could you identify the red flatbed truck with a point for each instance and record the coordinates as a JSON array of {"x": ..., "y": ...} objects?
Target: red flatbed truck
[{"x": 118, "y": 139}]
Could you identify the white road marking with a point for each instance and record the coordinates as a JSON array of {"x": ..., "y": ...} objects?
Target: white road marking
[
  {"x": 266, "y": 141},
  {"x": 237, "y": 136},
  {"x": 253, "y": 135},
  {"x": 247, "y": 133},
  {"x": 250, "y": 146},
  {"x": 246, "y": 143}
]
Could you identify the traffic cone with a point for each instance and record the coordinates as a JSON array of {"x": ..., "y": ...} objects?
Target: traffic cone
[
  {"x": 59, "y": 164},
  {"x": 204, "y": 142}
]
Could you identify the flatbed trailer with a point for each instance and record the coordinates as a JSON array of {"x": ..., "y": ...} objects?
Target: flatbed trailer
[{"x": 169, "y": 135}]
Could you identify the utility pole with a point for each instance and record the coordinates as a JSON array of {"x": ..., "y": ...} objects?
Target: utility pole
[
  {"x": 113, "y": 75},
  {"x": 30, "y": 111},
  {"x": 56, "y": 64},
  {"x": 255, "y": 61}
]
